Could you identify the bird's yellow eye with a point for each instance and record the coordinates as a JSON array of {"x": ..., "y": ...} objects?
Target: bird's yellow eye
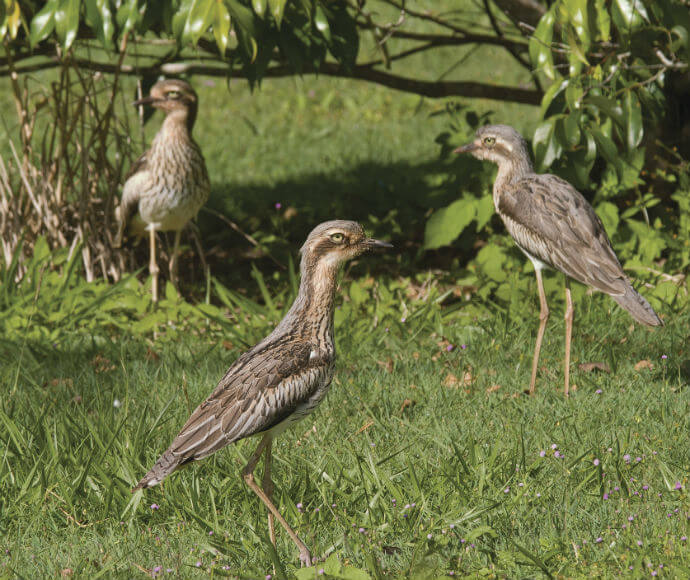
[
  {"x": 489, "y": 141},
  {"x": 173, "y": 94},
  {"x": 337, "y": 238}
]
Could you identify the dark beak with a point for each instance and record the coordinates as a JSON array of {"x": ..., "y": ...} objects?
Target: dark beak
[
  {"x": 146, "y": 101},
  {"x": 372, "y": 244},
  {"x": 467, "y": 148}
]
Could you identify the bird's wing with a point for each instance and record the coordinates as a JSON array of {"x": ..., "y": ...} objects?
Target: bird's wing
[
  {"x": 131, "y": 192},
  {"x": 260, "y": 390},
  {"x": 553, "y": 222}
]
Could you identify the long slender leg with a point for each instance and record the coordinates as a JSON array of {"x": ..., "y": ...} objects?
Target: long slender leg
[
  {"x": 569, "y": 312},
  {"x": 268, "y": 487},
  {"x": 248, "y": 476},
  {"x": 543, "y": 318},
  {"x": 172, "y": 264},
  {"x": 153, "y": 264}
]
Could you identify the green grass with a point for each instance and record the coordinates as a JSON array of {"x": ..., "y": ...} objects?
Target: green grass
[{"x": 79, "y": 427}]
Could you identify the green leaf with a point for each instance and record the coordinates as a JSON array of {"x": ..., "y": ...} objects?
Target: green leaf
[
  {"x": 608, "y": 214},
  {"x": 67, "y": 21},
  {"x": 632, "y": 112},
  {"x": 484, "y": 211},
  {"x": 491, "y": 259},
  {"x": 545, "y": 144},
  {"x": 277, "y": 7},
  {"x": 448, "y": 223},
  {"x": 43, "y": 23},
  {"x": 540, "y": 45},
  {"x": 608, "y": 106},
  {"x": 629, "y": 15},
  {"x": 259, "y": 7},
  {"x": 199, "y": 18},
  {"x": 100, "y": 18},
  {"x": 321, "y": 22},
  {"x": 607, "y": 148},
  {"x": 550, "y": 95},
  {"x": 221, "y": 26}
]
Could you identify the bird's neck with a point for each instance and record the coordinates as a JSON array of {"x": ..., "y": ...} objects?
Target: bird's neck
[
  {"x": 312, "y": 311},
  {"x": 178, "y": 124},
  {"x": 510, "y": 171}
]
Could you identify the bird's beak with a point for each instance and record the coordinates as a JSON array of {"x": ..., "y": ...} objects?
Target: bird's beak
[
  {"x": 372, "y": 244},
  {"x": 146, "y": 101},
  {"x": 467, "y": 148}
]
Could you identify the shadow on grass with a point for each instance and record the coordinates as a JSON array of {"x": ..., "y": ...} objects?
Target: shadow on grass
[{"x": 392, "y": 201}]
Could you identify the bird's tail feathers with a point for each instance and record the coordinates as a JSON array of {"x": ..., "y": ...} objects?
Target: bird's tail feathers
[{"x": 638, "y": 307}]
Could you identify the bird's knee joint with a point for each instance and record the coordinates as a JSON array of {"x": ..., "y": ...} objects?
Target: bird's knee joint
[
  {"x": 248, "y": 477},
  {"x": 544, "y": 314}
]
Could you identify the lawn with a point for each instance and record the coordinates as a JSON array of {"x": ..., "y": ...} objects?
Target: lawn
[{"x": 426, "y": 459}]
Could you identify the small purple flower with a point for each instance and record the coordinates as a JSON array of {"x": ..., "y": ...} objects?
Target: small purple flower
[
  {"x": 638, "y": 459},
  {"x": 413, "y": 504},
  {"x": 278, "y": 205},
  {"x": 616, "y": 488},
  {"x": 542, "y": 453},
  {"x": 362, "y": 530},
  {"x": 678, "y": 485},
  {"x": 506, "y": 490},
  {"x": 521, "y": 484},
  {"x": 157, "y": 569},
  {"x": 452, "y": 526},
  {"x": 155, "y": 506},
  {"x": 596, "y": 462},
  {"x": 403, "y": 319},
  {"x": 554, "y": 446},
  {"x": 556, "y": 454},
  {"x": 198, "y": 564},
  {"x": 210, "y": 533},
  {"x": 316, "y": 510},
  {"x": 664, "y": 357},
  {"x": 598, "y": 391},
  {"x": 626, "y": 458},
  {"x": 599, "y": 540},
  {"x": 463, "y": 346},
  {"x": 639, "y": 543},
  {"x": 538, "y": 494},
  {"x": 631, "y": 518},
  {"x": 321, "y": 571},
  {"x": 429, "y": 536},
  {"x": 645, "y": 487},
  {"x": 450, "y": 347},
  {"x": 683, "y": 538},
  {"x": 268, "y": 577},
  {"x": 299, "y": 506},
  {"x": 606, "y": 496}
]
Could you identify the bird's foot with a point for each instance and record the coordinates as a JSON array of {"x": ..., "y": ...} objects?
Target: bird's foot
[{"x": 305, "y": 558}]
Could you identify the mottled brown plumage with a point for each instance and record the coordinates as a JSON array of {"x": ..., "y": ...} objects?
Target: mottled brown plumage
[
  {"x": 555, "y": 226},
  {"x": 281, "y": 379},
  {"x": 168, "y": 184}
]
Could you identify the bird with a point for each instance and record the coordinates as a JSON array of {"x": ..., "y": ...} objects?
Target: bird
[
  {"x": 168, "y": 184},
  {"x": 555, "y": 227},
  {"x": 281, "y": 379}
]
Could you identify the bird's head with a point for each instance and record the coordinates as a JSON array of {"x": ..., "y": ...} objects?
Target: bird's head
[
  {"x": 334, "y": 243},
  {"x": 173, "y": 95},
  {"x": 497, "y": 143}
]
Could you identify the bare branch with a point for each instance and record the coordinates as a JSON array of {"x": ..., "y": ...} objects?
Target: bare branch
[{"x": 433, "y": 89}]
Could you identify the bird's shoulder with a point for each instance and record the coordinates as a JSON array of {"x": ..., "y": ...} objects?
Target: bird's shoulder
[{"x": 553, "y": 208}]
